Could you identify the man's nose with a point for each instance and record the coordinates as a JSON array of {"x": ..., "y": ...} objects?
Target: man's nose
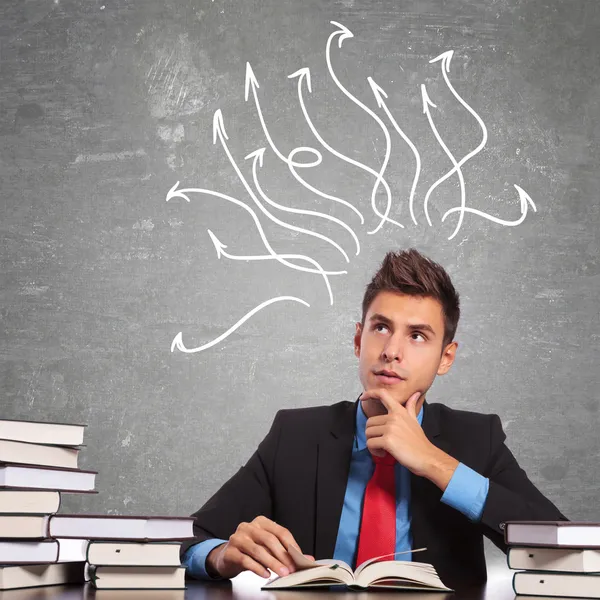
[{"x": 392, "y": 351}]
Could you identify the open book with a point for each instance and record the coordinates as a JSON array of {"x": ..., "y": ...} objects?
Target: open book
[{"x": 374, "y": 573}]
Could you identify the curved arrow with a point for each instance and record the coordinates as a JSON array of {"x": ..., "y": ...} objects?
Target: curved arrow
[
  {"x": 380, "y": 94},
  {"x": 251, "y": 83},
  {"x": 426, "y": 104},
  {"x": 182, "y": 193},
  {"x": 257, "y": 156},
  {"x": 220, "y": 248},
  {"x": 178, "y": 339},
  {"x": 345, "y": 33},
  {"x": 445, "y": 59},
  {"x": 524, "y": 198}
]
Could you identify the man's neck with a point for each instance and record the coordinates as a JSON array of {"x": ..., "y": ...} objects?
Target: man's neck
[{"x": 373, "y": 408}]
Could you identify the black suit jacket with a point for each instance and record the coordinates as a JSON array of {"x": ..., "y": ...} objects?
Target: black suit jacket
[{"x": 298, "y": 475}]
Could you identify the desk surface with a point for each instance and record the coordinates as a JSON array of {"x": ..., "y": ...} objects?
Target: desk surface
[{"x": 250, "y": 590}]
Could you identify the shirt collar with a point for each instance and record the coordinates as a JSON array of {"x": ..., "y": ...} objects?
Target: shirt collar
[{"x": 361, "y": 425}]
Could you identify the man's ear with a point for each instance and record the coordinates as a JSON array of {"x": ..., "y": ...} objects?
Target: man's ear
[
  {"x": 357, "y": 339},
  {"x": 448, "y": 356}
]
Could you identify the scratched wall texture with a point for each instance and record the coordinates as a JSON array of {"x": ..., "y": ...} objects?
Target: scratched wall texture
[{"x": 106, "y": 104}]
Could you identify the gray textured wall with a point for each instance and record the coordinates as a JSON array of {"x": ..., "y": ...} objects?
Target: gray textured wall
[{"x": 106, "y": 104}]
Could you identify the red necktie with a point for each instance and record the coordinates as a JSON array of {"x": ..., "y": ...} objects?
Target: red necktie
[{"x": 377, "y": 534}]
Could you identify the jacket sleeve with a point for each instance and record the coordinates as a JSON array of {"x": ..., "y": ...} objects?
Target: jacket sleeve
[
  {"x": 245, "y": 496},
  {"x": 511, "y": 496}
]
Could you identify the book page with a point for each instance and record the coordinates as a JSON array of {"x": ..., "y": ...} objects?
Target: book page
[
  {"x": 302, "y": 563},
  {"x": 403, "y": 572}
]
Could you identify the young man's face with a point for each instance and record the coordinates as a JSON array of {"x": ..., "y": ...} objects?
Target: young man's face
[{"x": 403, "y": 335}]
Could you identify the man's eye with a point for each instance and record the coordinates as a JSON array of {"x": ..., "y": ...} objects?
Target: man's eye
[
  {"x": 380, "y": 326},
  {"x": 416, "y": 335}
]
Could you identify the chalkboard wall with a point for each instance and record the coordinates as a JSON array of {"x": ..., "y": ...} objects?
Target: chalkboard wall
[{"x": 169, "y": 166}]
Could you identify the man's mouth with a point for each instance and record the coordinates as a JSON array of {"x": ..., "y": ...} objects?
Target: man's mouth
[{"x": 388, "y": 376}]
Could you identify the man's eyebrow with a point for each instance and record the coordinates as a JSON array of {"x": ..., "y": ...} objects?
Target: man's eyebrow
[
  {"x": 422, "y": 327},
  {"x": 416, "y": 327},
  {"x": 382, "y": 318}
]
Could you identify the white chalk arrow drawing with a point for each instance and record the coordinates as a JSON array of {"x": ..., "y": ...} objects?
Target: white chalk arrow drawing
[
  {"x": 258, "y": 156},
  {"x": 525, "y": 200},
  {"x": 304, "y": 75},
  {"x": 220, "y": 133},
  {"x": 427, "y": 103},
  {"x": 178, "y": 344},
  {"x": 183, "y": 193},
  {"x": 344, "y": 33},
  {"x": 380, "y": 94},
  {"x": 445, "y": 59},
  {"x": 251, "y": 83}
]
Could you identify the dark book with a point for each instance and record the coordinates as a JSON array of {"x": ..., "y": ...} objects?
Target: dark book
[
  {"x": 538, "y": 558},
  {"x": 120, "y": 527},
  {"x": 556, "y": 585},
  {"x": 24, "y": 576},
  {"x": 17, "y": 475},
  {"x": 29, "y": 501},
  {"x": 121, "y": 577},
  {"x": 38, "y": 552},
  {"x": 553, "y": 534},
  {"x": 60, "y": 434},
  {"x": 38, "y": 454},
  {"x": 139, "y": 554}
]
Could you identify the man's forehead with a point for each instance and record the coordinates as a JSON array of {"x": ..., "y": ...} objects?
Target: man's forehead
[{"x": 404, "y": 309}]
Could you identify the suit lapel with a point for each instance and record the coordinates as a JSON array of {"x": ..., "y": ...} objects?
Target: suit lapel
[
  {"x": 333, "y": 465},
  {"x": 425, "y": 496}
]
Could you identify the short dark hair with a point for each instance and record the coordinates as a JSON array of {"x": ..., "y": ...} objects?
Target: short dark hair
[{"x": 410, "y": 273}]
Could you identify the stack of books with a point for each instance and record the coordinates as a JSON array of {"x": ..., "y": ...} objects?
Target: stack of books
[
  {"x": 38, "y": 461},
  {"x": 39, "y": 547},
  {"x": 129, "y": 552},
  {"x": 554, "y": 558}
]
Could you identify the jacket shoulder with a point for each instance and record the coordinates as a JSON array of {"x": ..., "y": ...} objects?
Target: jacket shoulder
[
  {"x": 311, "y": 415},
  {"x": 447, "y": 415}
]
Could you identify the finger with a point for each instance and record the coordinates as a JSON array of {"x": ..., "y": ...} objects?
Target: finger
[
  {"x": 272, "y": 543},
  {"x": 261, "y": 555},
  {"x": 378, "y": 420},
  {"x": 376, "y": 446},
  {"x": 309, "y": 556},
  {"x": 375, "y": 431},
  {"x": 235, "y": 562},
  {"x": 383, "y": 396},
  {"x": 411, "y": 404},
  {"x": 283, "y": 534}
]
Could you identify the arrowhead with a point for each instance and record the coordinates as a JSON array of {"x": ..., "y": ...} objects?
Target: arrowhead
[
  {"x": 256, "y": 154},
  {"x": 219, "y": 246},
  {"x": 175, "y": 193},
  {"x": 303, "y": 72},
  {"x": 445, "y": 57},
  {"x": 218, "y": 126},
  {"x": 343, "y": 31},
  {"x": 525, "y": 199},
  {"x": 177, "y": 343},
  {"x": 378, "y": 92},
  {"x": 426, "y": 100},
  {"x": 250, "y": 81}
]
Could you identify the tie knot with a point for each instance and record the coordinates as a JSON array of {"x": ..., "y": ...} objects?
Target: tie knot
[{"x": 386, "y": 459}]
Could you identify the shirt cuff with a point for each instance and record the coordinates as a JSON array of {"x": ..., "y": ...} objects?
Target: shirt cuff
[
  {"x": 467, "y": 492},
  {"x": 194, "y": 558}
]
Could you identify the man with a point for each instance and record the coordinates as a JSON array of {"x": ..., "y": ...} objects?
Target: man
[{"x": 388, "y": 473}]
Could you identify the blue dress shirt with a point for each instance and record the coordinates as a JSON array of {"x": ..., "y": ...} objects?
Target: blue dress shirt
[{"x": 466, "y": 492}]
